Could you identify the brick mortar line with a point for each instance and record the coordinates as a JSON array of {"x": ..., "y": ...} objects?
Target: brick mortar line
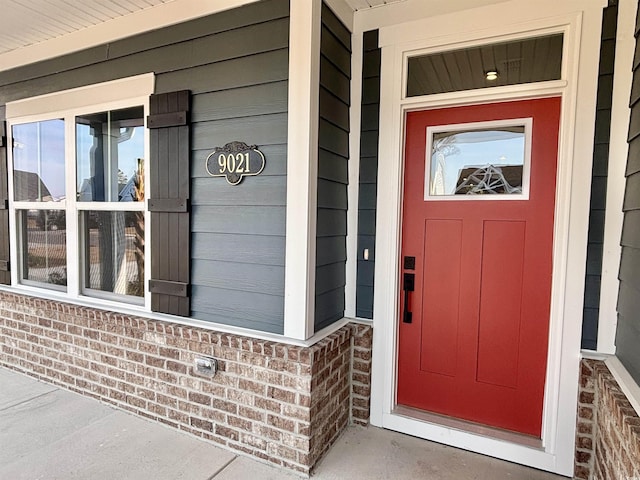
[
  {"x": 137, "y": 386},
  {"x": 239, "y": 348},
  {"x": 159, "y": 369},
  {"x": 157, "y": 379}
]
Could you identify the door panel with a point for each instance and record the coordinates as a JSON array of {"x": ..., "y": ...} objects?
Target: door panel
[
  {"x": 477, "y": 344},
  {"x": 443, "y": 239},
  {"x": 500, "y": 302}
]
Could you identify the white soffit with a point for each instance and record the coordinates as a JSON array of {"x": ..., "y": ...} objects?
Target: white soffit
[
  {"x": 35, "y": 30},
  {"x": 388, "y": 13},
  {"x": 364, "y": 4},
  {"x": 28, "y": 22}
]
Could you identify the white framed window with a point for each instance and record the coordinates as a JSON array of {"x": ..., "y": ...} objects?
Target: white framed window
[
  {"x": 478, "y": 161},
  {"x": 78, "y": 166}
]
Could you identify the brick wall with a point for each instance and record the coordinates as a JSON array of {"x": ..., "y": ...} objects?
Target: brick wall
[
  {"x": 280, "y": 403},
  {"x": 361, "y": 374},
  {"x": 330, "y": 391},
  {"x": 585, "y": 432},
  {"x": 608, "y": 433}
]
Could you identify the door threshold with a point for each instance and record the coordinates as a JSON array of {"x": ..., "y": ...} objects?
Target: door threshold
[{"x": 468, "y": 427}]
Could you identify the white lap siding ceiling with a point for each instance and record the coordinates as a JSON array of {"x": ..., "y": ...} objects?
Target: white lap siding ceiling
[
  {"x": 28, "y": 22},
  {"x": 363, "y": 4}
]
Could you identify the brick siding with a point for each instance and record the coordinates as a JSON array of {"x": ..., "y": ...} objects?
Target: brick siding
[
  {"x": 608, "y": 429},
  {"x": 280, "y": 403},
  {"x": 361, "y": 374},
  {"x": 585, "y": 432}
]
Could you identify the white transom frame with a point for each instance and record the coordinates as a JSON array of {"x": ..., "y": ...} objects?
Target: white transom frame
[{"x": 580, "y": 58}]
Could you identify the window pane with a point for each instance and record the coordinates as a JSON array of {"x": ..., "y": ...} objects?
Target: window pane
[
  {"x": 38, "y": 161},
  {"x": 110, "y": 151},
  {"x": 521, "y": 61},
  {"x": 44, "y": 246},
  {"x": 477, "y": 162},
  {"x": 114, "y": 252}
]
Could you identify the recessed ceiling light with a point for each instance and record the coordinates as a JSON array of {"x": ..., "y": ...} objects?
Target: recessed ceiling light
[{"x": 491, "y": 75}]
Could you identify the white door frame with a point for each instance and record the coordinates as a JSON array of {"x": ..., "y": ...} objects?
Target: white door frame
[{"x": 579, "y": 20}]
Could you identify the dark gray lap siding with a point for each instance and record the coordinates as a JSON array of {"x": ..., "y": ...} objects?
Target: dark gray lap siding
[
  {"x": 368, "y": 195},
  {"x": 235, "y": 63},
  {"x": 599, "y": 180},
  {"x": 333, "y": 175},
  {"x": 628, "y": 332}
]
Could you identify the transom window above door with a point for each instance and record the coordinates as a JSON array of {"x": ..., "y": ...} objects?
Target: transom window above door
[{"x": 529, "y": 60}]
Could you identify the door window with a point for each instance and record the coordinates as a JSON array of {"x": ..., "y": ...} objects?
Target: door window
[{"x": 486, "y": 160}]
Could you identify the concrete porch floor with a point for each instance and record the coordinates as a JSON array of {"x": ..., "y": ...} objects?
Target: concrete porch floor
[{"x": 50, "y": 433}]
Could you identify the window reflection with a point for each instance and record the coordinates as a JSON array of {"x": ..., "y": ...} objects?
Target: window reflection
[
  {"x": 114, "y": 252},
  {"x": 109, "y": 151},
  {"x": 38, "y": 161},
  {"x": 477, "y": 161},
  {"x": 44, "y": 235}
]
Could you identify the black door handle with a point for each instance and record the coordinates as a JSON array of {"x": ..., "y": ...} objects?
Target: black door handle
[{"x": 408, "y": 285}]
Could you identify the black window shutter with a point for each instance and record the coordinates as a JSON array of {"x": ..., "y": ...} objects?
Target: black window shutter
[
  {"x": 5, "y": 274},
  {"x": 169, "y": 202}
]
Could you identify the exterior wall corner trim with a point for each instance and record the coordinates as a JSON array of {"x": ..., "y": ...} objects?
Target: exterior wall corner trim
[{"x": 302, "y": 169}]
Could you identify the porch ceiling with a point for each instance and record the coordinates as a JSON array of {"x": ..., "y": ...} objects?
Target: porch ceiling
[
  {"x": 363, "y": 4},
  {"x": 28, "y": 22},
  {"x": 24, "y": 23}
]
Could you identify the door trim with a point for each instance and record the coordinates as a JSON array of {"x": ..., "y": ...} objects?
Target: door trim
[{"x": 572, "y": 207}]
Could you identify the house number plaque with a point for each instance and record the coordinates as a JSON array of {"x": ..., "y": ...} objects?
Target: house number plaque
[{"x": 234, "y": 161}]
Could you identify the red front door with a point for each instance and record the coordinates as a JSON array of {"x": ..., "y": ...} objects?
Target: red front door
[{"x": 476, "y": 345}]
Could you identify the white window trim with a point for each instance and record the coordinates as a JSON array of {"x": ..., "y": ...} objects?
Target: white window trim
[
  {"x": 527, "y": 123},
  {"x": 511, "y": 19},
  {"x": 79, "y": 101},
  {"x": 76, "y": 98}
]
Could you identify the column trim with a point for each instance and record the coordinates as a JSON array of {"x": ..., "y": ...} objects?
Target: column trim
[
  {"x": 302, "y": 169},
  {"x": 616, "y": 181}
]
